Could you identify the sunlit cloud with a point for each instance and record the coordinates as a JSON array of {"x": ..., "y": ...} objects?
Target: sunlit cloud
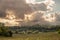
[
  {"x": 50, "y": 17},
  {"x": 10, "y": 19},
  {"x": 42, "y": 6}
]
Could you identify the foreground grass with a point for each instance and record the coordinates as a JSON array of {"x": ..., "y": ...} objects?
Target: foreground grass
[{"x": 40, "y": 36}]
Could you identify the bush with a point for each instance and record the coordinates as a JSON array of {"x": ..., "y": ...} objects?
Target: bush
[
  {"x": 8, "y": 34},
  {"x": 5, "y": 32},
  {"x": 59, "y": 31}
]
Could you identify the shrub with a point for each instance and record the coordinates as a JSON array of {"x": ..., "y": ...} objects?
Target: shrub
[
  {"x": 59, "y": 31},
  {"x": 4, "y": 31}
]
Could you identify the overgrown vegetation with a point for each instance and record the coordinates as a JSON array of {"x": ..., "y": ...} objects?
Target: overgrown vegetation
[
  {"x": 4, "y": 31},
  {"x": 35, "y": 29}
]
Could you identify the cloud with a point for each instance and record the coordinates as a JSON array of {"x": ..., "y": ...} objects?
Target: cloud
[
  {"x": 57, "y": 15},
  {"x": 46, "y": 5},
  {"x": 40, "y": 9},
  {"x": 19, "y": 6},
  {"x": 37, "y": 10}
]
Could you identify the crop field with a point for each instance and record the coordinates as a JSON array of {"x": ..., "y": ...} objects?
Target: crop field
[{"x": 39, "y": 36}]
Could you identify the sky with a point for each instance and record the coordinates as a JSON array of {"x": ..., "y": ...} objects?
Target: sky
[
  {"x": 16, "y": 12},
  {"x": 19, "y": 5},
  {"x": 57, "y": 5}
]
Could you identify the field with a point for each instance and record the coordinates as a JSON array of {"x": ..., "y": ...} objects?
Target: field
[{"x": 39, "y": 36}]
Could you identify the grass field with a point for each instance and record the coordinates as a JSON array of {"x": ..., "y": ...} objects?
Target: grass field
[{"x": 40, "y": 36}]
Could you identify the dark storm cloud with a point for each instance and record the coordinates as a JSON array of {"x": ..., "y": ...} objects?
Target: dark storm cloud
[
  {"x": 2, "y": 14},
  {"x": 19, "y": 6}
]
